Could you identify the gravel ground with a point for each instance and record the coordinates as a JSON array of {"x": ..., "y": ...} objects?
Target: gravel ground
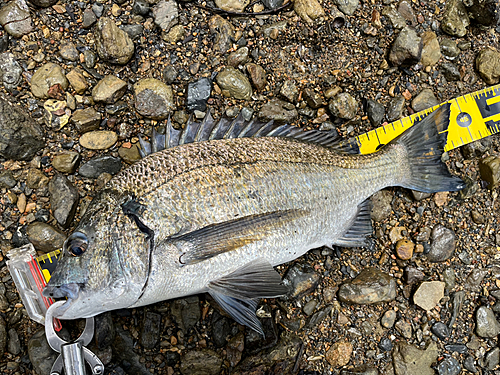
[{"x": 86, "y": 78}]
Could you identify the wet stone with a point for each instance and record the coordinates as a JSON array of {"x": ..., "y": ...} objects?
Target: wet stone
[
  {"x": 45, "y": 77},
  {"x": 238, "y": 57},
  {"x": 234, "y": 84},
  {"x": 486, "y": 323},
  {"x": 10, "y": 71},
  {"x": 89, "y": 18},
  {"x": 45, "y": 237},
  {"x": 425, "y": 99},
  {"x": 312, "y": 98},
  {"x": 141, "y": 7},
  {"x": 300, "y": 281},
  {"x": 289, "y": 91},
  {"x": 339, "y": 353},
  {"x": 385, "y": 344},
  {"x": 395, "y": 108},
  {"x": 86, "y": 120},
  {"x": 40, "y": 353},
  {"x": 109, "y": 89},
  {"x": 428, "y": 294},
  {"x": 104, "y": 330},
  {"x": 69, "y": 52},
  {"x": 150, "y": 333},
  {"x": 166, "y": 14},
  {"x": 14, "y": 344},
  {"x": 449, "y": 278},
  {"x": 406, "y": 49},
  {"x": 7, "y": 180},
  {"x": 77, "y": 81},
  {"x": 470, "y": 365},
  {"x": 491, "y": 358},
  {"x": 343, "y": 106},
  {"x": 113, "y": 44},
  {"x": 404, "y": 328},
  {"x": 98, "y": 140},
  {"x": 201, "y": 361},
  {"x": 375, "y": 112},
  {"x": 235, "y": 348},
  {"x": 483, "y": 12},
  {"x": 431, "y": 52},
  {"x": 443, "y": 242},
  {"x": 408, "y": 360},
  {"x": 176, "y": 34},
  {"x": 455, "y": 19},
  {"x": 221, "y": 329},
  {"x": 3, "y": 337},
  {"x": 449, "y": 366},
  {"x": 198, "y": 94},
  {"x": 153, "y": 98},
  {"x": 36, "y": 179},
  {"x": 63, "y": 199},
  {"x": 257, "y": 76},
  {"x": 476, "y": 149},
  {"x": 90, "y": 59},
  {"x": 370, "y": 286},
  {"x": 66, "y": 162},
  {"x": 223, "y": 31},
  {"x": 441, "y": 330},
  {"x": 474, "y": 279},
  {"x": 395, "y": 18},
  {"x": 388, "y": 319},
  {"x": 101, "y": 164},
  {"x": 129, "y": 154},
  {"x": 450, "y": 71},
  {"x": 412, "y": 275},
  {"x": 489, "y": 167},
  {"x": 278, "y": 111},
  {"x": 459, "y": 348},
  {"x": 15, "y": 18},
  {"x": 449, "y": 49}
]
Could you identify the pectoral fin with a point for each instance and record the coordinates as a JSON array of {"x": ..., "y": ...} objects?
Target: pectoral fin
[{"x": 238, "y": 292}]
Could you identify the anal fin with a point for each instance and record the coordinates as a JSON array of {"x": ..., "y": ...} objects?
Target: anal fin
[{"x": 359, "y": 230}]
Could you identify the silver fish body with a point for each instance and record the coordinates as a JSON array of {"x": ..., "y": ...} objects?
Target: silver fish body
[{"x": 216, "y": 216}]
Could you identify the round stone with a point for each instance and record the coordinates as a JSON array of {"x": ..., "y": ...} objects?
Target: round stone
[
  {"x": 66, "y": 162},
  {"x": 153, "y": 98},
  {"x": 98, "y": 140},
  {"x": 404, "y": 249},
  {"x": 47, "y": 76},
  {"x": 45, "y": 237},
  {"x": 234, "y": 84},
  {"x": 113, "y": 44}
]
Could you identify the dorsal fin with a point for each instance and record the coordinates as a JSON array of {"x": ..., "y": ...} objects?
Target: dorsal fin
[{"x": 225, "y": 128}]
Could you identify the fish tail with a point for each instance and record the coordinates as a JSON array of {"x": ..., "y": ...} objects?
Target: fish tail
[{"x": 424, "y": 146}]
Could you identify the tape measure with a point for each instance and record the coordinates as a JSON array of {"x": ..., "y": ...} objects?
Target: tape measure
[{"x": 47, "y": 263}]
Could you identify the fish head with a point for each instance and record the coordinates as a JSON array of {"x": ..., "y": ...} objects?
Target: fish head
[{"x": 104, "y": 263}]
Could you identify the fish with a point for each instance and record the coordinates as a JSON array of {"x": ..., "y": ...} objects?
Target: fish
[{"x": 213, "y": 208}]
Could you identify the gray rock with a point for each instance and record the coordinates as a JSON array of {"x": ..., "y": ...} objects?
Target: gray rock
[
  {"x": 274, "y": 28},
  {"x": 186, "y": 312},
  {"x": 347, "y": 6},
  {"x": 198, "y": 94},
  {"x": 455, "y": 19},
  {"x": 90, "y": 59},
  {"x": 4, "y": 42},
  {"x": 279, "y": 111},
  {"x": 150, "y": 333},
  {"x": 221, "y": 329},
  {"x": 3, "y": 337},
  {"x": 166, "y": 14},
  {"x": 113, "y": 44},
  {"x": 36, "y": 179},
  {"x": 443, "y": 242},
  {"x": 272, "y": 4},
  {"x": 441, "y": 330},
  {"x": 232, "y": 5},
  {"x": 133, "y": 31},
  {"x": 238, "y": 57},
  {"x": 343, "y": 106},
  {"x": 63, "y": 199},
  {"x": 104, "y": 330},
  {"x": 66, "y": 162},
  {"x": 86, "y": 120},
  {"x": 375, "y": 112},
  {"x": 98, "y": 9},
  {"x": 15, "y": 18},
  {"x": 123, "y": 351},
  {"x": 10, "y": 71},
  {"x": 476, "y": 276},
  {"x": 201, "y": 362},
  {"x": 170, "y": 74},
  {"x": 470, "y": 365},
  {"x": 431, "y": 52},
  {"x": 289, "y": 91},
  {"x": 489, "y": 167},
  {"x": 404, "y": 329},
  {"x": 43, "y": 3},
  {"x": 109, "y": 89},
  {"x": 47, "y": 76},
  {"x": 300, "y": 281},
  {"x": 370, "y": 286},
  {"x": 89, "y": 18},
  {"x": 14, "y": 344},
  {"x": 406, "y": 49},
  {"x": 224, "y": 33},
  {"x": 395, "y": 108},
  {"x": 101, "y": 164},
  {"x": 69, "y": 52},
  {"x": 388, "y": 318},
  {"x": 41, "y": 355},
  {"x": 450, "y": 71},
  {"x": 476, "y": 149},
  {"x": 381, "y": 205},
  {"x": 234, "y": 84},
  {"x": 486, "y": 323},
  {"x": 45, "y": 237},
  {"x": 492, "y": 358},
  {"x": 397, "y": 20},
  {"x": 313, "y": 98},
  {"x": 484, "y": 12},
  {"x": 7, "y": 180},
  {"x": 449, "y": 366},
  {"x": 425, "y": 99},
  {"x": 385, "y": 344},
  {"x": 153, "y": 98},
  {"x": 449, "y": 278},
  {"x": 428, "y": 294},
  {"x": 408, "y": 360},
  {"x": 488, "y": 65},
  {"x": 141, "y": 7},
  {"x": 449, "y": 48},
  {"x": 20, "y": 136},
  {"x": 257, "y": 76},
  {"x": 406, "y": 10}
]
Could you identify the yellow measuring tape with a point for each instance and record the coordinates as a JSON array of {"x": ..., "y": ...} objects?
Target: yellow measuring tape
[{"x": 472, "y": 117}]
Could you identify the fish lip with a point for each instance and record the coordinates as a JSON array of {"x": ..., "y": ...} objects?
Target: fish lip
[{"x": 70, "y": 291}]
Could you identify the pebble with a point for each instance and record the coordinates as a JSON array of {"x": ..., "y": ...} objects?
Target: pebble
[
  {"x": 476, "y": 149},
  {"x": 396, "y": 20},
  {"x": 404, "y": 328},
  {"x": 77, "y": 80},
  {"x": 166, "y": 14},
  {"x": 45, "y": 77},
  {"x": 41, "y": 355},
  {"x": 63, "y": 199},
  {"x": 3, "y": 337},
  {"x": 123, "y": 350},
  {"x": 141, "y": 7},
  {"x": 470, "y": 365},
  {"x": 492, "y": 358},
  {"x": 7, "y": 180},
  {"x": 449, "y": 49},
  {"x": 428, "y": 294},
  {"x": 385, "y": 344},
  {"x": 198, "y": 94},
  {"x": 450, "y": 71},
  {"x": 455, "y": 19},
  {"x": 483, "y": 12},
  {"x": 234, "y": 84},
  {"x": 89, "y": 18},
  {"x": 312, "y": 98},
  {"x": 375, "y": 112},
  {"x": 224, "y": 33},
  {"x": 458, "y": 348},
  {"x": 449, "y": 278},
  {"x": 133, "y": 31},
  {"x": 408, "y": 360},
  {"x": 98, "y": 139},
  {"x": 413, "y": 275},
  {"x": 15, "y": 18},
  {"x": 66, "y": 162},
  {"x": 388, "y": 318},
  {"x": 440, "y": 330},
  {"x": 153, "y": 98},
  {"x": 289, "y": 91},
  {"x": 176, "y": 34},
  {"x": 69, "y": 52},
  {"x": 309, "y": 307},
  {"x": 449, "y": 366},
  {"x": 343, "y": 106},
  {"x": 20, "y": 136},
  {"x": 113, "y": 44},
  {"x": 404, "y": 249},
  {"x": 100, "y": 164},
  {"x": 431, "y": 52},
  {"x": 10, "y": 71},
  {"x": 370, "y": 286},
  {"x": 45, "y": 237},
  {"x": 43, "y": 3},
  {"x": 221, "y": 329},
  {"x": 104, "y": 330},
  {"x": 406, "y": 48},
  {"x": 395, "y": 108},
  {"x": 235, "y": 348},
  {"x": 129, "y": 154},
  {"x": 425, "y": 99},
  {"x": 150, "y": 333},
  {"x": 475, "y": 278},
  {"x": 489, "y": 167},
  {"x": 339, "y": 353},
  {"x": 300, "y": 281},
  {"x": 486, "y": 323},
  {"x": 14, "y": 344},
  {"x": 443, "y": 242},
  {"x": 347, "y": 7},
  {"x": 36, "y": 179},
  {"x": 278, "y": 111},
  {"x": 257, "y": 76},
  {"x": 238, "y": 57},
  {"x": 311, "y": 10},
  {"x": 201, "y": 361},
  {"x": 232, "y": 5},
  {"x": 109, "y": 90},
  {"x": 86, "y": 120}
]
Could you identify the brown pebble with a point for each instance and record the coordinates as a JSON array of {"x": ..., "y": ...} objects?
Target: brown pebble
[
  {"x": 404, "y": 249},
  {"x": 441, "y": 198},
  {"x": 21, "y": 202},
  {"x": 339, "y": 354}
]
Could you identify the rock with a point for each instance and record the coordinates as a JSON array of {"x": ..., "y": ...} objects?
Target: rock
[
  {"x": 232, "y": 5},
  {"x": 381, "y": 205},
  {"x": 77, "y": 81},
  {"x": 475, "y": 278},
  {"x": 311, "y": 10},
  {"x": 129, "y": 155},
  {"x": 343, "y": 106},
  {"x": 413, "y": 275},
  {"x": 289, "y": 91},
  {"x": 388, "y": 318},
  {"x": 441, "y": 330},
  {"x": 375, "y": 112},
  {"x": 450, "y": 71},
  {"x": 101, "y": 164},
  {"x": 10, "y": 71},
  {"x": 425, "y": 99},
  {"x": 47, "y": 76},
  {"x": 186, "y": 312},
  {"x": 385, "y": 344},
  {"x": 235, "y": 348},
  {"x": 469, "y": 364},
  {"x": 404, "y": 328},
  {"x": 66, "y": 162},
  {"x": 300, "y": 281},
  {"x": 123, "y": 350},
  {"x": 36, "y": 179},
  {"x": 339, "y": 353},
  {"x": 7, "y": 180},
  {"x": 406, "y": 49},
  {"x": 484, "y": 12},
  {"x": 347, "y": 6},
  {"x": 198, "y": 94},
  {"x": 257, "y": 76},
  {"x": 224, "y": 33},
  {"x": 150, "y": 333},
  {"x": 141, "y": 7},
  {"x": 43, "y": 3},
  {"x": 104, "y": 330},
  {"x": 238, "y": 57},
  {"x": 397, "y": 20},
  {"x": 41, "y": 355},
  {"x": 312, "y": 98},
  {"x": 109, "y": 89},
  {"x": 404, "y": 249},
  {"x": 14, "y": 344},
  {"x": 395, "y": 108},
  {"x": 408, "y": 360},
  {"x": 234, "y": 84},
  {"x": 166, "y": 14},
  {"x": 90, "y": 59},
  {"x": 273, "y": 30},
  {"x": 486, "y": 323},
  {"x": 45, "y": 237},
  {"x": 278, "y": 111},
  {"x": 176, "y": 34},
  {"x": 489, "y": 168},
  {"x": 86, "y": 120},
  {"x": 201, "y": 362},
  {"x": 449, "y": 48},
  {"x": 428, "y": 294},
  {"x": 443, "y": 241},
  {"x": 370, "y": 286},
  {"x": 15, "y": 18},
  {"x": 431, "y": 52},
  {"x": 20, "y": 136},
  {"x": 63, "y": 199},
  {"x": 89, "y": 18},
  {"x": 3, "y": 337},
  {"x": 455, "y": 19},
  {"x": 449, "y": 366},
  {"x": 153, "y": 98},
  {"x": 69, "y": 52},
  {"x": 476, "y": 149},
  {"x": 113, "y": 44},
  {"x": 491, "y": 359}
]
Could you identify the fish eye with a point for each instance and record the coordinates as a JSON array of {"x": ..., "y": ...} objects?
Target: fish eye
[{"x": 77, "y": 243}]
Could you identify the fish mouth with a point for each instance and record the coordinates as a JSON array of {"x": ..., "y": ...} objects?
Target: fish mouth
[{"x": 69, "y": 291}]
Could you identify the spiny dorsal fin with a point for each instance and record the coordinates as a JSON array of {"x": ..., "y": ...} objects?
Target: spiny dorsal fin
[{"x": 208, "y": 129}]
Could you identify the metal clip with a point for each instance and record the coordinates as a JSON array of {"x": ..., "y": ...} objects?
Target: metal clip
[{"x": 74, "y": 354}]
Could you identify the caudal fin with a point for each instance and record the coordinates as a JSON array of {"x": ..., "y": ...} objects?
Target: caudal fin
[{"x": 424, "y": 147}]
